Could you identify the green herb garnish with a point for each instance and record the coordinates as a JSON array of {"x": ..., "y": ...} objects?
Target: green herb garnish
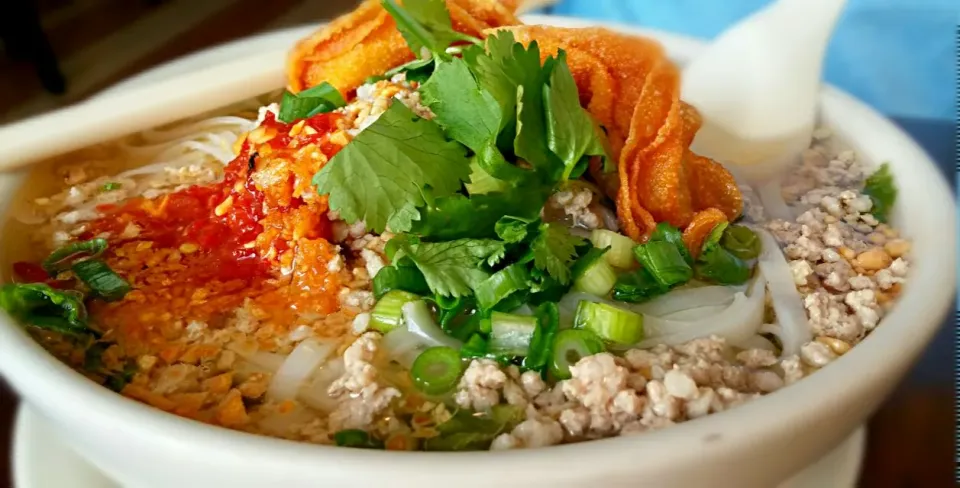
[
  {"x": 111, "y": 185},
  {"x": 451, "y": 268},
  {"x": 396, "y": 159},
  {"x": 101, "y": 279},
  {"x": 312, "y": 101},
  {"x": 44, "y": 307},
  {"x": 882, "y": 191},
  {"x": 63, "y": 258}
]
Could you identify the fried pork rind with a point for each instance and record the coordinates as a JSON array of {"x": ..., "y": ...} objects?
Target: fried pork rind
[
  {"x": 633, "y": 90},
  {"x": 366, "y": 43}
]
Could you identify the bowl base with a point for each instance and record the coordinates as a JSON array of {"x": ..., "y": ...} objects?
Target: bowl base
[{"x": 37, "y": 447}]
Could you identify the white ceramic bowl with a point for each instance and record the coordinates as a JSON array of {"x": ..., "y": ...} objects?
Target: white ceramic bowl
[{"x": 757, "y": 444}]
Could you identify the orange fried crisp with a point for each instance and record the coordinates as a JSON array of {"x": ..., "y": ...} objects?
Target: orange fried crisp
[
  {"x": 366, "y": 43},
  {"x": 633, "y": 90}
]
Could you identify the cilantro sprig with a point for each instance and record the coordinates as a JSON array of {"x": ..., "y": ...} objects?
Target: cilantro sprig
[
  {"x": 382, "y": 176},
  {"x": 506, "y": 132}
]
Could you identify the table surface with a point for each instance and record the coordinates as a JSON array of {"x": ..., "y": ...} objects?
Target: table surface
[{"x": 910, "y": 439}]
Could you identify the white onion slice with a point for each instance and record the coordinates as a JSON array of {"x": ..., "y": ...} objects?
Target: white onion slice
[
  {"x": 306, "y": 357},
  {"x": 672, "y": 302},
  {"x": 687, "y": 298},
  {"x": 267, "y": 361},
  {"x": 737, "y": 323},
  {"x": 758, "y": 342},
  {"x": 315, "y": 392},
  {"x": 403, "y": 346},
  {"x": 698, "y": 313},
  {"x": 297, "y": 369},
  {"x": 787, "y": 303},
  {"x": 420, "y": 321}
]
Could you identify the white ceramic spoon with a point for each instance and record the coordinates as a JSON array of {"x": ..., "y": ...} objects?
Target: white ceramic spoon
[{"x": 756, "y": 86}]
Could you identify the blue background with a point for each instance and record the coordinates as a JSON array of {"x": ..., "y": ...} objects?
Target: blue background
[{"x": 897, "y": 55}]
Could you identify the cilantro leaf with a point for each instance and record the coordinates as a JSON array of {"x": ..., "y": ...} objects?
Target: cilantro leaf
[
  {"x": 467, "y": 112},
  {"x": 571, "y": 132},
  {"x": 382, "y": 175},
  {"x": 504, "y": 66},
  {"x": 882, "y": 191},
  {"x": 451, "y": 268},
  {"x": 459, "y": 217},
  {"x": 320, "y": 99},
  {"x": 424, "y": 24},
  {"x": 512, "y": 229},
  {"x": 554, "y": 250},
  {"x": 483, "y": 182}
]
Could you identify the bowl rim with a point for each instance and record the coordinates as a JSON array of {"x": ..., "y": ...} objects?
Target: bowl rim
[{"x": 898, "y": 342}]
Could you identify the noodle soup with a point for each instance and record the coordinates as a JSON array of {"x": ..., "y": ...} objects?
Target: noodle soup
[{"x": 256, "y": 269}]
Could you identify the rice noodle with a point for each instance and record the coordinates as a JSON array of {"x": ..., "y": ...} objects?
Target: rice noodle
[
  {"x": 737, "y": 323},
  {"x": 315, "y": 393},
  {"x": 205, "y": 125},
  {"x": 787, "y": 303},
  {"x": 296, "y": 369}
]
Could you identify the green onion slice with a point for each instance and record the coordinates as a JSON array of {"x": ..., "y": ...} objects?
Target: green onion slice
[
  {"x": 570, "y": 346},
  {"x": 356, "y": 438},
  {"x": 637, "y": 287},
  {"x": 621, "y": 247},
  {"x": 387, "y": 314},
  {"x": 614, "y": 325},
  {"x": 436, "y": 370},
  {"x": 717, "y": 265},
  {"x": 597, "y": 279},
  {"x": 44, "y": 307},
  {"x": 741, "y": 242},
  {"x": 510, "y": 335},
  {"x": 101, "y": 279},
  {"x": 665, "y": 262},
  {"x": 548, "y": 322},
  {"x": 63, "y": 258},
  {"x": 665, "y": 232},
  {"x": 500, "y": 285}
]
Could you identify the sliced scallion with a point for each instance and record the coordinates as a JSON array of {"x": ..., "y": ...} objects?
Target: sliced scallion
[
  {"x": 637, "y": 287},
  {"x": 717, "y": 265},
  {"x": 621, "y": 247},
  {"x": 40, "y": 305},
  {"x": 569, "y": 346},
  {"x": 665, "y": 232},
  {"x": 101, "y": 279},
  {"x": 436, "y": 370},
  {"x": 612, "y": 324},
  {"x": 510, "y": 335},
  {"x": 63, "y": 258},
  {"x": 548, "y": 322},
  {"x": 387, "y": 314},
  {"x": 356, "y": 438},
  {"x": 665, "y": 262},
  {"x": 741, "y": 242},
  {"x": 598, "y": 279},
  {"x": 500, "y": 285}
]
